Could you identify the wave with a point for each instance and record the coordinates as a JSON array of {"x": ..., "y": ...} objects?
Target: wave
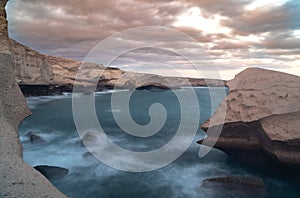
[{"x": 35, "y": 101}]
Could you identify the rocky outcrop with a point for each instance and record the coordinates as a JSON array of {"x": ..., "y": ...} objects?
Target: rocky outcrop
[
  {"x": 262, "y": 117},
  {"x": 35, "y": 138},
  {"x": 133, "y": 80},
  {"x": 17, "y": 178},
  {"x": 52, "y": 172}
]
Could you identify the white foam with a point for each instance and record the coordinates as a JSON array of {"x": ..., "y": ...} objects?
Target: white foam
[{"x": 33, "y": 102}]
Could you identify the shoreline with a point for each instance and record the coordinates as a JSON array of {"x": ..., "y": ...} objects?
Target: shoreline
[{"x": 31, "y": 90}]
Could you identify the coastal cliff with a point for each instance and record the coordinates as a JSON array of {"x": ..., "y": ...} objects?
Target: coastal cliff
[
  {"x": 17, "y": 178},
  {"x": 262, "y": 119}
]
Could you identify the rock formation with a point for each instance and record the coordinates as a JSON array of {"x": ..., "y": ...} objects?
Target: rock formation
[
  {"x": 262, "y": 117},
  {"x": 52, "y": 172},
  {"x": 30, "y": 66},
  {"x": 3, "y": 21},
  {"x": 35, "y": 138},
  {"x": 17, "y": 178}
]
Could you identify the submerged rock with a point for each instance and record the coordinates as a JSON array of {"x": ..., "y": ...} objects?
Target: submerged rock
[
  {"x": 52, "y": 172},
  {"x": 88, "y": 154},
  {"x": 262, "y": 121},
  {"x": 35, "y": 138},
  {"x": 234, "y": 182},
  {"x": 235, "y": 186},
  {"x": 90, "y": 139}
]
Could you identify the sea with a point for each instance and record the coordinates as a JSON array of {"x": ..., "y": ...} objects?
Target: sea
[{"x": 89, "y": 177}]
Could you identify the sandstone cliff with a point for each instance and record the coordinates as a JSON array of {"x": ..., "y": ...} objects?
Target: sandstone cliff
[
  {"x": 17, "y": 178},
  {"x": 262, "y": 117}
]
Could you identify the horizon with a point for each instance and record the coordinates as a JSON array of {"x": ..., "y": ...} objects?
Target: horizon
[{"x": 235, "y": 35}]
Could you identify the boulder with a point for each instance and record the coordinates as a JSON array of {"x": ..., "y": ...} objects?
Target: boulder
[
  {"x": 90, "y": 139},
  {"x": 262, "y": 118},
  {"x": 35, "y": 138},
  {"x": 52, "y": 172}
]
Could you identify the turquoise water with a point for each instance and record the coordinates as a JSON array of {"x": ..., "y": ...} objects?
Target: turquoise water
[{"x": 52, "y": 119}]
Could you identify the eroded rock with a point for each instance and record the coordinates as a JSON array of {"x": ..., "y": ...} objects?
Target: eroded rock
[{"x": 262, "y": 117}]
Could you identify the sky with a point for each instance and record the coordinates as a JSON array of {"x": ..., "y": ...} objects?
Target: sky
[{"x": 226, "y": 36}]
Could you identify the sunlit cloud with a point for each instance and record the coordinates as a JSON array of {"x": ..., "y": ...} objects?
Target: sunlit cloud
[
  {"x": 193, "y": 18},
  {"x": 264, "y": 3},
  {"x": 252, "y": 38},
  {"x": 296, "y": 33}
]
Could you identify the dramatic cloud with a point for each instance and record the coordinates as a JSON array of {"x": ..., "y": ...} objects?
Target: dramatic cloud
[{"x": 234, "y": 33}]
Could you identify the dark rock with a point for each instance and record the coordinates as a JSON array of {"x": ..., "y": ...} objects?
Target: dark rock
[
  {"x": 52, "y": 172},
  {"x": 45, "y": 90},
  {"x": 89, "y": 138},
  {"x": 153, "y": 87},
  {"x": 35, "y": 138},
  {"x": 87, "y": 155},
  {"x": 234, "y": 183}
]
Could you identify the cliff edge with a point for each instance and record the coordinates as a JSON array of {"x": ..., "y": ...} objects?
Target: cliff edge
[{"x": 262, "y": 121}]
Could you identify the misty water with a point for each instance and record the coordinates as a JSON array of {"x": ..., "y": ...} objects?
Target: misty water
[{"x": 52, "y": 119}]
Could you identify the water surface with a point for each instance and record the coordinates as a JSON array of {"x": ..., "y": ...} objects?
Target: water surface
[{"x": 88, "y": 177}]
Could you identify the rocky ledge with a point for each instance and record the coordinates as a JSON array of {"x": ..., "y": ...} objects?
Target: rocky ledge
[{"x": 262, "y": 122}]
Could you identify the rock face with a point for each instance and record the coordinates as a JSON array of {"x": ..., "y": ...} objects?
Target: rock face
[
  {"x": 3, "y": 22},
  {"x": 17, "y": 178},
  {"x": 262, "y": 117},
  {"x": 30, "y": 66}
]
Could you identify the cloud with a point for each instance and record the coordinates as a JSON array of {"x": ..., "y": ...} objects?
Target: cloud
[{"x": 72, "y": 28}]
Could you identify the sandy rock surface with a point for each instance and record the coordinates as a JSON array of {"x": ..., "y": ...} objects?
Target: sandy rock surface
[
  {"x": 262, "y": 112},
  {"x": 17, "y": 178}
]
